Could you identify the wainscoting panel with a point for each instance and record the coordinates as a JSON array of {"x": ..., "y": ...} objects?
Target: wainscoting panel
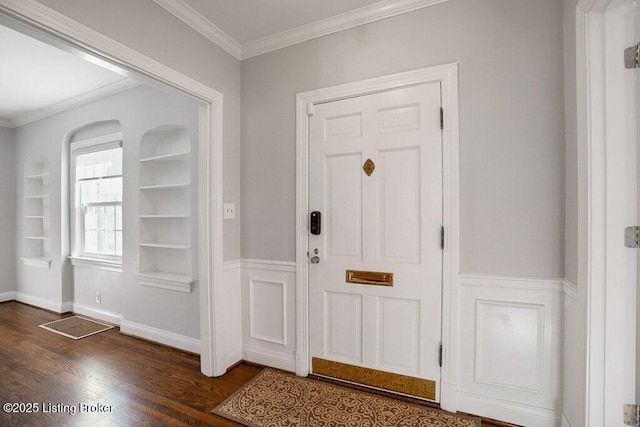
[
  {"x": 268, "y": 313},
  {"x": 574, "y": 360},
  {"x": 510, "y": 348}
]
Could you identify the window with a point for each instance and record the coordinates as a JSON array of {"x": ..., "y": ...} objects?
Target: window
[{"x": 96, "y": 172}]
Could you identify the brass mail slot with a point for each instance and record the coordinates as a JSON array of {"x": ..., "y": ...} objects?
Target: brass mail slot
[{"x": 370, "y": 278}]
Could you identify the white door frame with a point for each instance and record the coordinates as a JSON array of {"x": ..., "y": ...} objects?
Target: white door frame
[
  {"x": 82, "y": 40},
  {"x": 600, "y": 109},
  {"x": 447, "y": 75}
]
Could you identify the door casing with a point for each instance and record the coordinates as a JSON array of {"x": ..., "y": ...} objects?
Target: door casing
[
  {"x": 40, "y": 20},
  {"x": 447, "y": 76},
  {"x": 601, "y": 296}
]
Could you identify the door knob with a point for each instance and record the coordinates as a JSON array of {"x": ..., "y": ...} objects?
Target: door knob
[{"x": 315, "y": 259}]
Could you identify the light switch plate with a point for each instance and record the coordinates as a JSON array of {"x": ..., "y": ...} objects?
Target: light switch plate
[{"x": 229, "y": 210}]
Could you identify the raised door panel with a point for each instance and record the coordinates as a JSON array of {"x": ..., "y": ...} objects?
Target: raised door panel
[{"x": 344, "y": 205}]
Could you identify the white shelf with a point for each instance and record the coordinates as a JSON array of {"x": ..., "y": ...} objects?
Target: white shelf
[
  {"x": 165, "y": 246},
  {"x": 35, "y": 217},
  {"x": 37, "y": 196},
  {"x": 164, "y": 280},
  {"x": 36, "y": 237},
  {"x": 38, "y": 176},
  {"x": 169, "y": 216},
  {"x": 166, "y": 157},
  {"x": 165, "y": 186},
  {"x": 39, "y": 262}
]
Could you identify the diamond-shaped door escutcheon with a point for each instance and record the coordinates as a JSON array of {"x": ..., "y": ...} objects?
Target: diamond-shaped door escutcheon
[{"x": 368, "y": 167}]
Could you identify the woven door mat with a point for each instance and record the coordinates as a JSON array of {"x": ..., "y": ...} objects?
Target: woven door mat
[
  {"x": 76, "y": 327},
  {"x": 277, "y": 399}
]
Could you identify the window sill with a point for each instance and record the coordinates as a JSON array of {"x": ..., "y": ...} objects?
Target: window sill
[{"x": 99, "y": 264}]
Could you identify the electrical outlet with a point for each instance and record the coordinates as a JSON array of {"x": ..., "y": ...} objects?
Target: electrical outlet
[
  {"x": 229, "y": 210},
  {"x": 98, "y": 297}
]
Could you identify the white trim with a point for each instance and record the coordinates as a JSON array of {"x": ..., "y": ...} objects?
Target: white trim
[
  {"x": 161, "y": 336},
  {"x": 364, "y": 15},
  {"x": 112, "y": 53},
  {"x": 570, "y": 289},
  {"x": 565, "y": 421},
  {"x": 37, "y": 262},
  {"x": 232, "y": 265},
  {"x": 508, "y": 411},
  {"x": 176, "y": 283},
  {"x": 105, "y": 316},
  {"x": 98, "y": 143},
  {"x": 550, "y": 284},
  {"x": 195, "y": 20},
  {"x": 262, "y": 264},
  {"x": 268, "y": 358},
  {"x": 344, "y": 21},
  {"x": 231, "y": 356},
  {"x": 7, "y": 296},
  {"x": 98, "y": 264},
  {"x": 57, "y": 307},
  {"x": 67, "y": 307},
  {"x": 602, "y": 347},
  {"x": 76, "y": 101},
  {"x": 447, "y": 75},
  {"x": 6, "y": 123}
]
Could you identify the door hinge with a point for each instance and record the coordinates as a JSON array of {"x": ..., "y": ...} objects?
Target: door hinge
[
  {"x": 311, "y": 109},
  {"x": 441, "y": 118},
  {"x": 442, "y": 237},
  {"x": 631, "y": 415},
  {"x": 632, "y": 237},
  {"x": 632, "y": 56},
  {"x": 440, "y": 356}
]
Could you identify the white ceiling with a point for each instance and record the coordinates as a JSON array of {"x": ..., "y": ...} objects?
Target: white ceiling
[
  {"x": 35, "y": 76},
  {"x": 249, "y": 20},
  {"x": 247, "y": 28}
]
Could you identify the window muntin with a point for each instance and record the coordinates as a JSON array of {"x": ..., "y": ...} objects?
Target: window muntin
[{"x": 98, "y": 202}]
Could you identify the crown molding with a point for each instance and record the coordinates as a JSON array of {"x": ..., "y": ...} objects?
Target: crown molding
[
  {"x": 6, "y": 123},
  {"x": 76, "y": 101},
  {"x": 195, "y": 20},
  {"x": 365, "y": 15}
]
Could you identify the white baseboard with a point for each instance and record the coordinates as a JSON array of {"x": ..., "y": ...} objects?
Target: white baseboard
[
  {"x": 58, "y": 307},
  {"x": 508, "y": 411},
  {"x": 103, "y": 315},
  {"x": 448, "y": 396},
  {"x": 230, "y": 357},
  {"x": 269, "y": 358},
  {"x": 160, "y": 336},
  {"x": 7, "y": 296},
  {"x": 565, "y": 421}
]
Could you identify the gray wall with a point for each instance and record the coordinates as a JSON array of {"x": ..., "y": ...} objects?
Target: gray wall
[
  {"x": 7, "y": 211},
  {"x": 138, "y": 110},
  {"x": 571, "y": 147},
  {"x": 511, "y": 125},
  {"x": 151, "y": 30}
]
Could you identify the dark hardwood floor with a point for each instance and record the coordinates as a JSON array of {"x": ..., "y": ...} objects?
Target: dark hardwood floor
[{"x": 140, "y": 383}]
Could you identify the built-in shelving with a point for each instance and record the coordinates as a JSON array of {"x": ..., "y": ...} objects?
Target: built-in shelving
[
  {"x": 36, "y": 209},
  {"x": 165, "y": 209}
]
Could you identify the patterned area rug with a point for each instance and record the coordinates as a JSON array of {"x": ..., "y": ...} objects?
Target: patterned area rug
[
  {"x": 76, "y": 327},
  {"x": 276, "y": 399}
]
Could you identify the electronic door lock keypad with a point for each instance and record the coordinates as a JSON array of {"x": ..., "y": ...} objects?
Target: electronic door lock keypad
[{"x": 315, "y": 223}]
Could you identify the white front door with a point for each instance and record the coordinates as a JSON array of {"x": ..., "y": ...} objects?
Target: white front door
[{"x": 375, "y": 282}]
